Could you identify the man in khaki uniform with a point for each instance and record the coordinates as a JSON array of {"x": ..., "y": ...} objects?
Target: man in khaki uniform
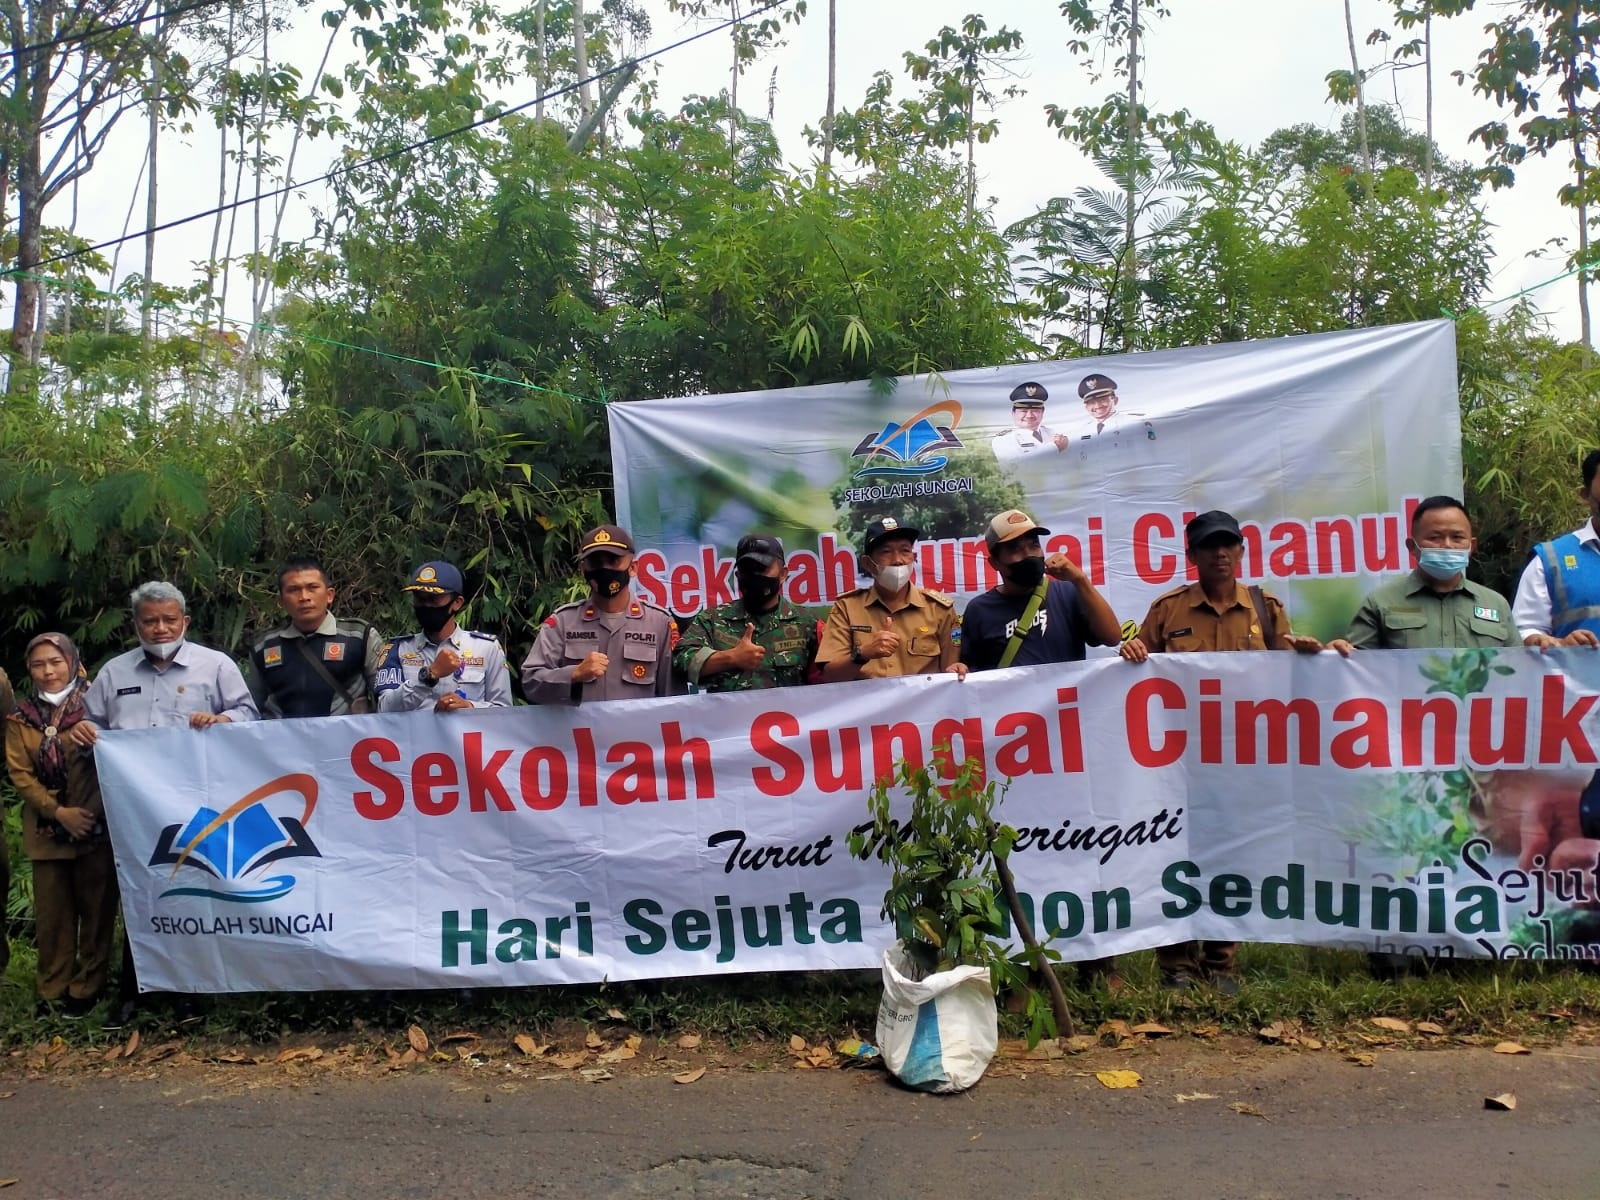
[
  {"x": 891, "y": 627},
  {"x": 611, "y": 646},
  {"x": 1216, "y": 613}
]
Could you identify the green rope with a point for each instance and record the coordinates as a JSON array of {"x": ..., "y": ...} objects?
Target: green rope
[
  {"x": 1488, "y": 304},
  {"x": 208, "y": 319}
]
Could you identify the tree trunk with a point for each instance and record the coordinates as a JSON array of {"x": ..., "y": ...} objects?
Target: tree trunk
[
  {"x": 1130, "y": 253},
  {"x": 833, "y": 72},
  {"x": 1580, "y": 169},
  {"x": 733, "y": 93},
  {"x": 542, "y": 62},
  {"x": 1361, "y": 94},
  {"x": 1427, "y": 80},
  {"x": 146, "y": 293},
  {"x": 580, "y": 49}
]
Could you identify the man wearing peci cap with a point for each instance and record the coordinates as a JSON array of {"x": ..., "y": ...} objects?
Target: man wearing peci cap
[
  {"x": 760, "y": 640},
  {"x": 1217, "y": 612},
  {"x": 891, "y": 627},
  {"x": 610, "y": 646},
  {"x": 1028, "y": 435},
  {"x": 442, "y": 667}
]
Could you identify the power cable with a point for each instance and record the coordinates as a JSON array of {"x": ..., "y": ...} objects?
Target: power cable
[
  {"x": 93, "y": 31},
  {"x": 401, "y": 150}
]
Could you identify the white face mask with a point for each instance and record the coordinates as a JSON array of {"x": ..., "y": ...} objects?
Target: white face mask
[
  {"x": 54, "y": 698},
  {"x": 161, "y": 649},
  {"x": 892, "y": 579}
]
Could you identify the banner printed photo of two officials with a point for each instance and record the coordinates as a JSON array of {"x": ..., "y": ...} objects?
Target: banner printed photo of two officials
[{"x": 1319, "y": 444}]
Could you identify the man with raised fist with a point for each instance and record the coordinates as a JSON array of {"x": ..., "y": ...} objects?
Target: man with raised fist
[{"x": 760, "y": 640}]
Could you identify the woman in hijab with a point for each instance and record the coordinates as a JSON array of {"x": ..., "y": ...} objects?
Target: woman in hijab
[{"x": 63, "y": 830}]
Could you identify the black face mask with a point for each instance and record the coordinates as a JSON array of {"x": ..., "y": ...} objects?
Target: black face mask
[
  {"x": 758, "y": 591},
  {"x": 431, "y": 618},
  {"x": 1026, "y": 573},
  {"x": 606, "y": 581}
]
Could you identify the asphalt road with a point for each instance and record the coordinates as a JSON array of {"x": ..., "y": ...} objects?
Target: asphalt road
[{"x": 1413, "y": 1125}]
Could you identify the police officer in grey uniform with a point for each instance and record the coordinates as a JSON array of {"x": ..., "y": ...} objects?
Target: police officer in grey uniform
[
  {"x": 611, "y": 646},
  {"x": 444, "y": 667}
]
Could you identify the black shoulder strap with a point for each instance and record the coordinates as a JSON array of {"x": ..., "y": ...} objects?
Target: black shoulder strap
[
  {"x": 357, "y": 700},
  {"x": 1269, "y": 628}
]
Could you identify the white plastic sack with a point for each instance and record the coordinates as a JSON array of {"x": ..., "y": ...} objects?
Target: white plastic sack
[{"x": 938, "y": 1034}]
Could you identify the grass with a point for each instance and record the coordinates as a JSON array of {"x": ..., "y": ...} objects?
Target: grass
[{"x": 1324, "y": 991}]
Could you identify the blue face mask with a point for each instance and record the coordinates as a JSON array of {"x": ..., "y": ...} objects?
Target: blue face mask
[{"x": 1443, "y": 564}]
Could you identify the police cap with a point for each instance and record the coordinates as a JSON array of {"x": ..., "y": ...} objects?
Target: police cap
[
  {"x": 435, "y": 579},
  {"x": 1029, "y": 395},
  {"x": 609, "y": 539},
  {"x": 1092, "y": 387}
]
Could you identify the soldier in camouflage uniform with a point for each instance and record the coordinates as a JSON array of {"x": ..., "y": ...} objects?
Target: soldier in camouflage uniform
[{"x": 758, "y": 641}]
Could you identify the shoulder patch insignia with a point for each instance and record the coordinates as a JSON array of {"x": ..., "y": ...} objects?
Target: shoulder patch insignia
[
  {"x": 550, "y": 620},
  {"x": 333, "y": 652},
  {"x": 272, "y": 656},
  {"x": 940, "y": 599},
  {"x": 634, "y": 610}
]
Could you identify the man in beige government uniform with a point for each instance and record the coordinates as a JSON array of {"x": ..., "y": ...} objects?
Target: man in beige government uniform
[
  {"x": 611, "y": 646},
  {"x": 1216, "y": 613},
  {"x": 892, "y": 627}
]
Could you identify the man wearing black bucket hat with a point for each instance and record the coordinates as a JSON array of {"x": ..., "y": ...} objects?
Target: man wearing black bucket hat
[{"x": 760, "y": 640}]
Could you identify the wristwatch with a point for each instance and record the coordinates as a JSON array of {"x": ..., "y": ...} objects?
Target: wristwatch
[
  {"x": 425, "y": 678},
  {"x": 856, "y": 656}
]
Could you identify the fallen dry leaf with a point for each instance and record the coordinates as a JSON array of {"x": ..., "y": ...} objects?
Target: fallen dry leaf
[
  {"x": 234, "y": 1057},
  {"x": 1504, "y": 1102},
  {"x": 568, "y": 1062},
  {"x": 1362, "y": 1058},
  {"x": 1119, "y": 1079},
  {"x": 165, "y": 1050},
  {"x": 6, "y": 1095},
  {"x": 593, "y": 1040},
  {"x": 689, "y": 1076},
  {"x": 1393, "y": 1024},
  {"x": 410, "y": 1056},
  {"x": 528, "y": 1046},
  {"x": 1078, "y": 1043},
  {"x": 309, "y": 1053},
  {"x": 616, "y": 1014},
  {"x": 1511, "y": 1048},
  {"x": 1048, "y": 1049},
  {"x": 620, "y": 1054},
  {"x": 9, "y": 1182},
  {"x": 1117, "y": 1030},
  {"x": 112, "y": 1054},
  {"x": 1190, "y": 1097},
  {"x": 132, "y": 1047},
  {"x": 393, "y": 1054},
  {"x": 1152, "y": 1029},
  {"x": 1272, "y": 1033},
  {"x": 1311, "y": 1043},
  {"x": 689, "y": 1041},
  {"x": 797, "y": 1044},
  {"x": 1430, "y": 1028},
  {"x": 418, "y": 1039},
  {"x": 596, "y": 1074},
  {"x": 464, "y": 1035},
  {"x": 1207, "y": 1031},
  {"x": 1248, "y": 1110}
]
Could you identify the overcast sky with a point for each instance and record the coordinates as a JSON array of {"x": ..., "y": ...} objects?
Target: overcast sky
[{"x": 1247, "y": 66}]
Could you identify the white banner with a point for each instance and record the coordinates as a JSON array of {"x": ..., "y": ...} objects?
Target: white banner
[
  {"x": 1386, "y": 807},
  {"x": 1320, "y": 445}
]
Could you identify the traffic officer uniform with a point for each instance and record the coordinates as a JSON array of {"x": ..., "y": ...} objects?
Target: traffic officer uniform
[
  {"x": 1407, "y": 614},
  {"x": 637, "y": 641},
  {"x": 928, "y": 625},
  {"x": 788, "y": 634},
  {"x": 404, "y": 680},
  {"x": 328, "y": 672},
  {"x": 1019, "y": 442},
  {"x": 1183, "y": 621}
]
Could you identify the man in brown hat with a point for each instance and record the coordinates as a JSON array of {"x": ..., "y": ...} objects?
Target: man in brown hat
[
  {"x": 1028, "y": 436},
  {"x": 610, "y": 646},
  {"x": 1218, "y": 612}
]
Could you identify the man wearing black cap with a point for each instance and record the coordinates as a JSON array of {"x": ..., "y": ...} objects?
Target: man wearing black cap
[
  {"x": 1217, "y": 612},
  {"x": 1028, "y": 436},
  {"x": 892, "y": 627},
  {"x": 610, "y": 646},
  {"x": 443, "y": 667},
  {"x": 760, "y": 640}
]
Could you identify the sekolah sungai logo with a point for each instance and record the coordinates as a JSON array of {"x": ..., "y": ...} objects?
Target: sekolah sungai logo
[{"x": 233, "y": 846}]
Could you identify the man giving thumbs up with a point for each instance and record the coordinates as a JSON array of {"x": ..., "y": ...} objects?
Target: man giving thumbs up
[
  {"x": 892, "y": 627},
  {"x": 760, "y": 640}
]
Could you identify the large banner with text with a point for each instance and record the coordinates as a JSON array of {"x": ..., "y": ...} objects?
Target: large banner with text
[
  {"x": 1321, "y": 445},
  {"x": 1440, "y": 804}
]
